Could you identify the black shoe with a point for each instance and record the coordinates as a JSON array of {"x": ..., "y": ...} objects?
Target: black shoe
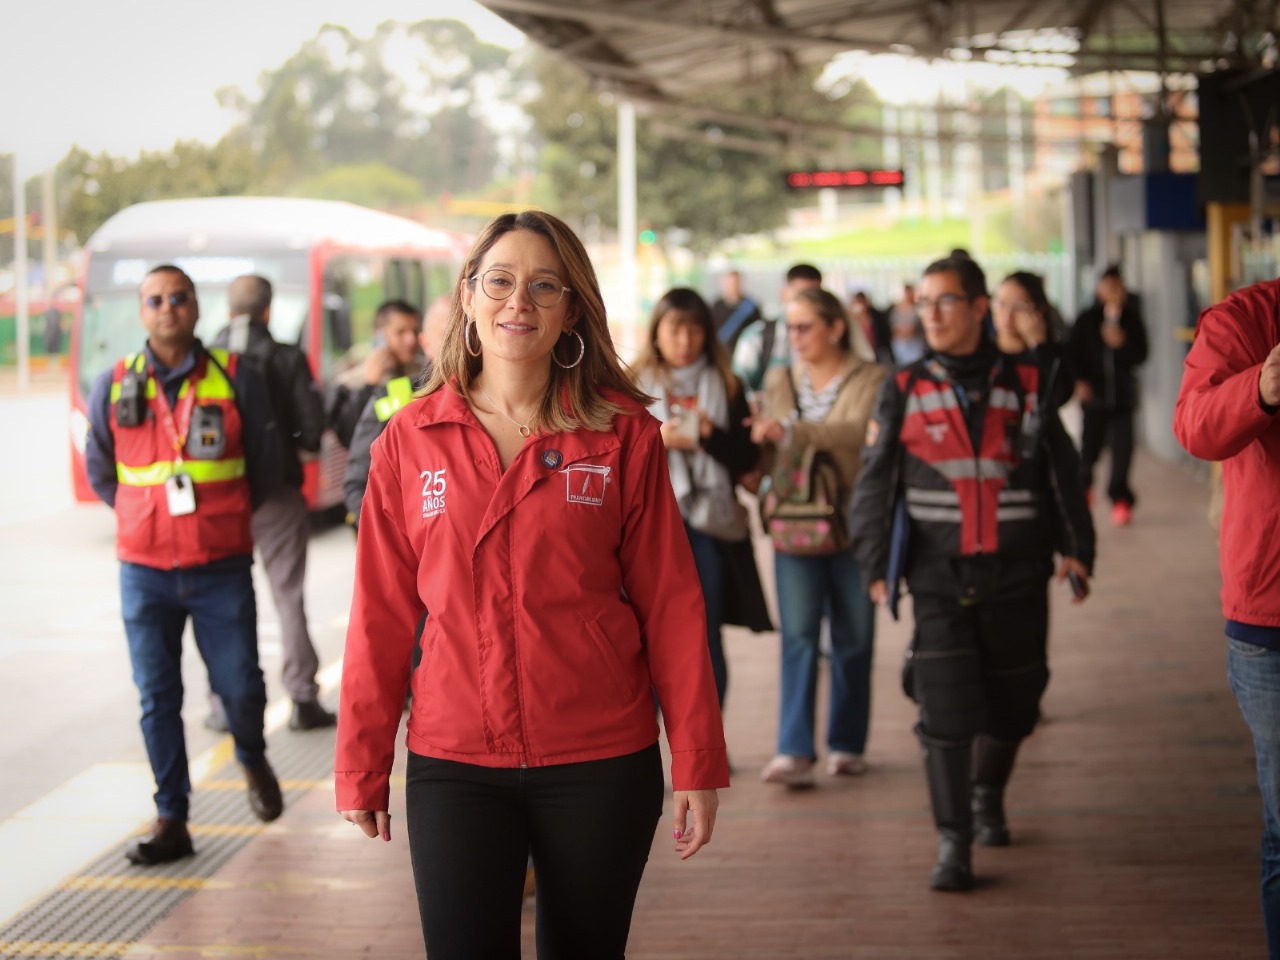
[
  {"x": 990, "y": 829},
  {"x": 953, "y": 871},
  {"x": 264, "y": 792},
  {"x": 309, "y": 715},
  {"x": 167, "y": 841}
]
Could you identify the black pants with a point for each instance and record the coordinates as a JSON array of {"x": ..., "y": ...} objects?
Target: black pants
[
  {"x": 1114, "y": 429},
  {"x": 980, "y": 667},
  {"x": 589, "y": 827}
]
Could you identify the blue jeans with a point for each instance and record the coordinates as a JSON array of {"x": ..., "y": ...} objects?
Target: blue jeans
[
  {"x": 808, "y": 587},
  {"x": 155, "y": 605},
  {"x": 1254, "y": 673},
  {"x": 710, "y": 564}
]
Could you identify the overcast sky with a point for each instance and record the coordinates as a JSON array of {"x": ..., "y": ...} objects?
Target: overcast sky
[{"x": 130, "y": 75}]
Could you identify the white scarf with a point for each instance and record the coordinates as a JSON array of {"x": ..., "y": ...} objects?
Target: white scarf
[{"x": 693, "y": 472}]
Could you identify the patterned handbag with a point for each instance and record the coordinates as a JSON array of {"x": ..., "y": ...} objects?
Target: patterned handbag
[{"x": 800, "y": 505}]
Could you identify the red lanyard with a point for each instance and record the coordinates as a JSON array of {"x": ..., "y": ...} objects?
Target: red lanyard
[{"x": 177, "y": 422}]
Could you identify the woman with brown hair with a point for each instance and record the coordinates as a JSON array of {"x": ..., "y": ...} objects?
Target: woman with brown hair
[
  {"x": 703, "y": 410},
  {"x": 817, "y": 411},
  {"x": 524, "y": 499}
]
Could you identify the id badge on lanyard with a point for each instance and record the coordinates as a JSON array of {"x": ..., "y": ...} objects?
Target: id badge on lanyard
[
  {"x": 179, "y": 488},
  {"x": 180, "y": 494}
]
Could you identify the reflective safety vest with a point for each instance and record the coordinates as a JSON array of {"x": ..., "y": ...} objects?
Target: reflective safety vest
[
  {"x": 202, "y": 438},
  {"x": 963, "y": 501},
  {"x": 399, "y": 392}
]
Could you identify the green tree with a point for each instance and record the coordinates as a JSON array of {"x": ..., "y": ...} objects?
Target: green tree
[
  {"x": 407, "y": 97},
  {"x": 92, "y": 188},
  {"x": 368, "y": 184}
]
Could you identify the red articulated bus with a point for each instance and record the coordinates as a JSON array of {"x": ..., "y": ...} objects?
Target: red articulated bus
[{"x": 331, "y": 265}]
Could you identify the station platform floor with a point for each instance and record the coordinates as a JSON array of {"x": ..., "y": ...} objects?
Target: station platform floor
[{"x": 1134, "y": 810}]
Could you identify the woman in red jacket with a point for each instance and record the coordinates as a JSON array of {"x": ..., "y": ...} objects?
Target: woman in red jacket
[{"x": 524, "y": 500}]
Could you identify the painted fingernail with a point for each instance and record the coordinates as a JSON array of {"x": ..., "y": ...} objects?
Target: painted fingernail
[
  {"x": 678, "y": 833},
  {"x": 386, "y": 834}
]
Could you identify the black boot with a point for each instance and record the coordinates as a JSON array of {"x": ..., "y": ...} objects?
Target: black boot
[
  {"x": 946, "y": 766},
  {"x": 992, "y": 765}
]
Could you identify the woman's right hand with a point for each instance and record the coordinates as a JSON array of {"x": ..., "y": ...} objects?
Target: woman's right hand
[
  {"x": 374, "y": 823},
  {"x": 674, "y": 438}
]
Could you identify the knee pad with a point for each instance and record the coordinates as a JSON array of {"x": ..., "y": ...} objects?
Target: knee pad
[{"x": 949, "y": 688}]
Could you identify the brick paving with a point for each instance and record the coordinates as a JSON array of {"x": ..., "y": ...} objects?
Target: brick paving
[{"x": 1134, "y": 811}]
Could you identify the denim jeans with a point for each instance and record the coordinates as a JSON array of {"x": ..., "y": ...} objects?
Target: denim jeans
[
  {"x": 711, "y": 571},
  {"x": 1254, "y": 673},
  {"x": 155, "y": 605},
  {"x": 808, "y": 587}
]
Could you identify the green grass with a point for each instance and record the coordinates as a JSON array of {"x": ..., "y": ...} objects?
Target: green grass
[{"x": 907, "y": 238}]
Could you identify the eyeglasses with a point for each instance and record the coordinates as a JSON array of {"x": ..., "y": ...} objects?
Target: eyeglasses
[
  {"x": 499, "y": 285},
  {"x": 798, "y": 329},
  {"x": 179, "y": 299},
  {"x": 1013, "y": 306},
  {"x": 947, "y": 304}
]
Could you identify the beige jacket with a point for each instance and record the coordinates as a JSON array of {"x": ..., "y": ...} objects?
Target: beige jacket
[{"x": 844, "y": 430}]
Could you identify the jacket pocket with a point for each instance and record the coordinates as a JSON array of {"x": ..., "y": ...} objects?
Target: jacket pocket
[
  {"x": 623, "y": 683},
  {"x": 1263, "y": 571}
]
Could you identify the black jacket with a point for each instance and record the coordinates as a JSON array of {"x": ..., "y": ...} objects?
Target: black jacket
[
  {"x": 298, "y": 405},
  {"x": 1050, "y": 483},
  {"x": 1109, "y": 372}
]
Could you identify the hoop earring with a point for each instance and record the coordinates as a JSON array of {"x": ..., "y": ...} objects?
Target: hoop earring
[
  {"x": 466, "y": 337},
  {"x": 582, "y": 352}
]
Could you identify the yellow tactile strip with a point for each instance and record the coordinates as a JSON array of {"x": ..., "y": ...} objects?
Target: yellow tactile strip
[{"x": 104, "y": 909}]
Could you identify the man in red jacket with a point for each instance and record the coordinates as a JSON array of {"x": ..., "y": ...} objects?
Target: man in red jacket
[{"x": 1227, "y": 411}]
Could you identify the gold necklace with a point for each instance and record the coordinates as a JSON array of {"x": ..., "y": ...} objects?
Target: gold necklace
[{"x": 523, "y": 427}]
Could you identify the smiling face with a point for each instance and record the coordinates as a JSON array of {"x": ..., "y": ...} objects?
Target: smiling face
[
  {"x": 167, "y": 304},
  {"x": 516, "y": 329}
]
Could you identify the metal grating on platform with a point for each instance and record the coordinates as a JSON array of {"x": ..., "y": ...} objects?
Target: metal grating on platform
[{"x": 110, "y": 904}]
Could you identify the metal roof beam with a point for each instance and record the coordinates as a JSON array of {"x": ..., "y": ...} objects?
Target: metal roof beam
[
  {"x": 1089, "y": 14},
  {"x": 776, "y": 37}
]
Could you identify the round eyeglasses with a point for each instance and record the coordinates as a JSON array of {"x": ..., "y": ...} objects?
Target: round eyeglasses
[{"x": 543, "y": 291}]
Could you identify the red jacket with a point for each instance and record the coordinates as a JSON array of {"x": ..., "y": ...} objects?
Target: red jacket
[
  {"x": 146, "y": 534},
  {"x": 562, "y": 595},
  {"x": 1220, "y": 417}
]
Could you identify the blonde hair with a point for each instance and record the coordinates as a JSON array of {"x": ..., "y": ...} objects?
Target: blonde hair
[
  {"x": 693, "y": 310},
  {"x": 585, "y": 404}
]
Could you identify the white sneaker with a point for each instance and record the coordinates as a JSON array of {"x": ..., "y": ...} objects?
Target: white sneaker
[
  {"x": 842, "y": 764},
  {"x": 788, "y": 770}
]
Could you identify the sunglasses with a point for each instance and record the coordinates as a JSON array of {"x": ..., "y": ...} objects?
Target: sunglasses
[{"x": 179, "y": 299}]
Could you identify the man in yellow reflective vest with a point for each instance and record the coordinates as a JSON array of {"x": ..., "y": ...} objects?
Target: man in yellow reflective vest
[
  {"x": 385, "y": 401},
  {"x": 182, "y": 446}
]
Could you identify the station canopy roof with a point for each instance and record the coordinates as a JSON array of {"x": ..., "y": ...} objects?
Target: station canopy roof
[{"x": 669, "y": 51}]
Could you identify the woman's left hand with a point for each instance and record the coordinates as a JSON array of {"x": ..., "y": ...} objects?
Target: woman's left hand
[
  {"x": 1031, "y": 327},
  {"x": 692, "y": 837},
  {"x": 767, "y": 430}
]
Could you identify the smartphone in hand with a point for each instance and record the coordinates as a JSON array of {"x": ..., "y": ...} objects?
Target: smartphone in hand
[{"x": 1078, "y": 586}]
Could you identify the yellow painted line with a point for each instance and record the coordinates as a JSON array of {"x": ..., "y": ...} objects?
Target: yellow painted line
[
  {"x": 71, "y": 826},
  {"x": 284, "y": 784},
  {"x": 63, "y": 948},
  {"x": 144, "y": 883}
]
